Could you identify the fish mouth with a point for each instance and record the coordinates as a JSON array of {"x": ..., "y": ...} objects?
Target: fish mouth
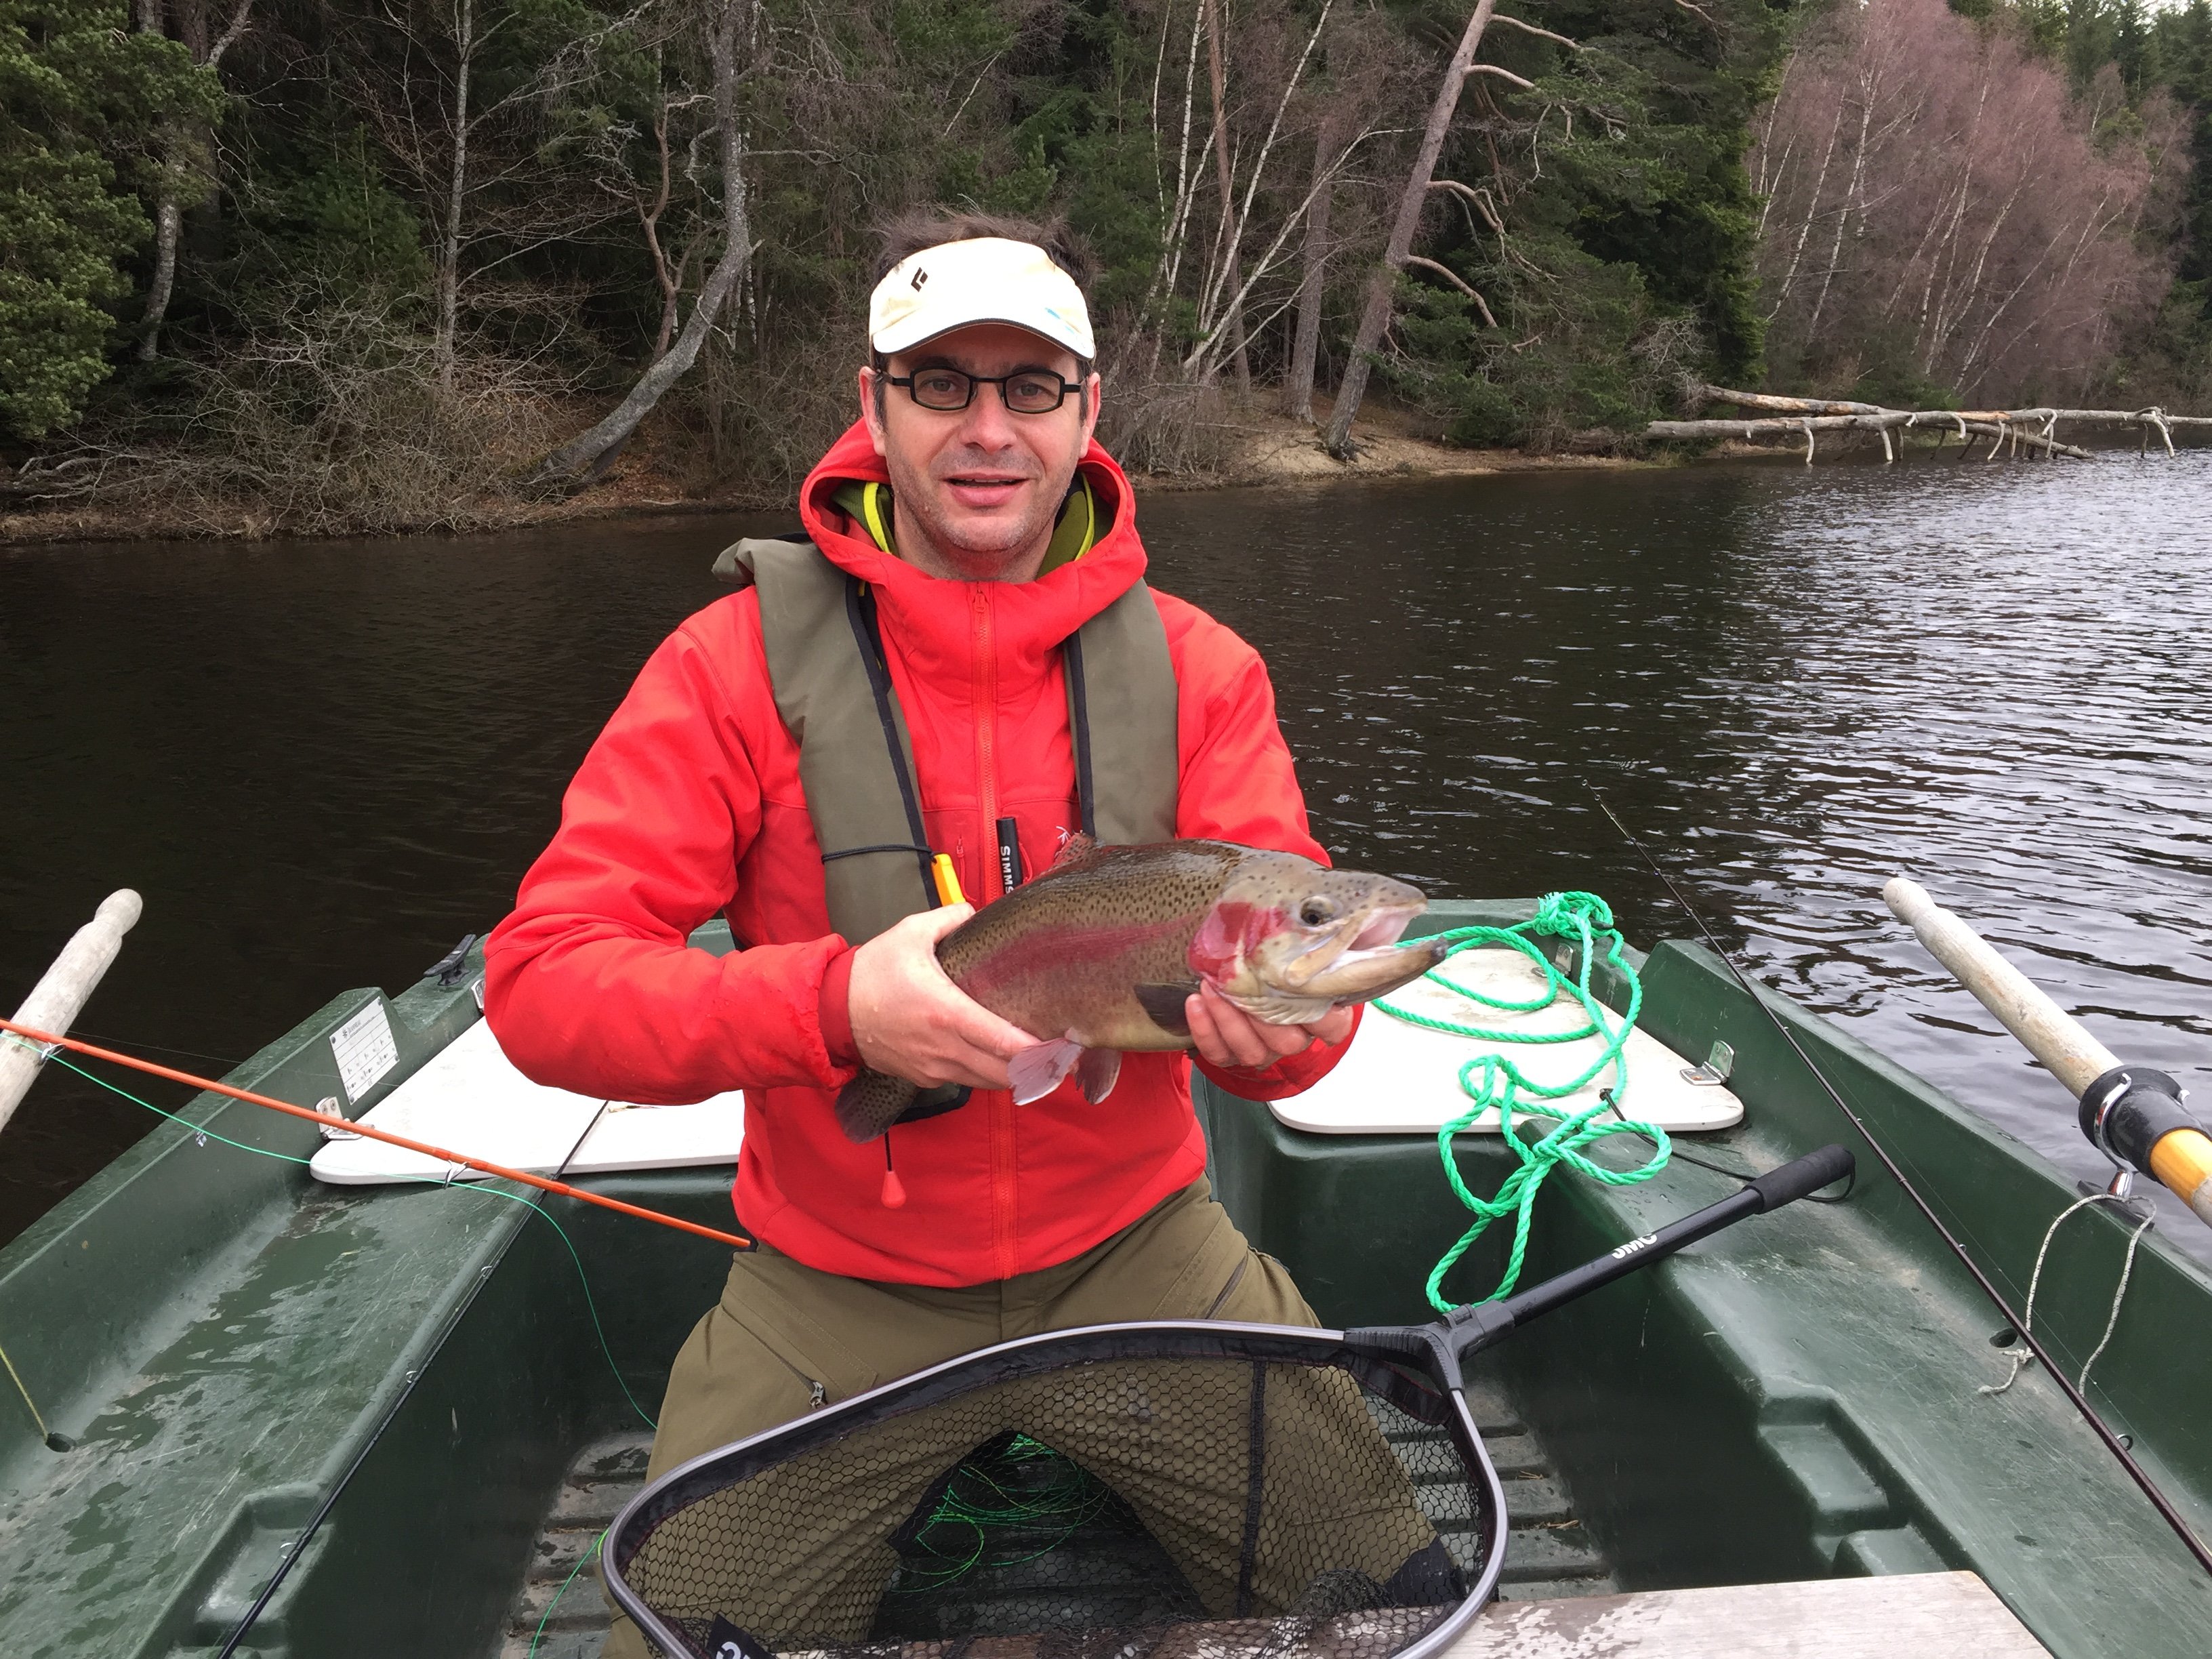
[
  {"x": 1363, "y": 958},
  {"x": 1385, "y": 927}
]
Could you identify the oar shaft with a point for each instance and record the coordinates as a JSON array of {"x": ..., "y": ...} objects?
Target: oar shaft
[
  {"x": 351, "y": 1127},
  {"x": 2051, "y": 1034},
  {"x": 2179, "y": 1157},
  {"x": 2182, "y": 1162},
  {"x": 61, "y": 992}
]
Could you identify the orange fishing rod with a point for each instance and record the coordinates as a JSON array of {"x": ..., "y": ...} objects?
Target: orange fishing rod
[{"x": 390, "y": 1139}]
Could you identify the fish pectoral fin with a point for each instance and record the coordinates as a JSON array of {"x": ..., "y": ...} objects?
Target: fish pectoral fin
[
  {"x": 870, "y": 1103},
  {"x": 1280, "y": 1008},
  {"x": 1035, "y": 1071},
  {"x": 1097, "y": 1072},
  {"x": 1162, "y": 1005}
]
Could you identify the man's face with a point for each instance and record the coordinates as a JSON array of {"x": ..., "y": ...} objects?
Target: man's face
[{"x": 977, "y": 489}]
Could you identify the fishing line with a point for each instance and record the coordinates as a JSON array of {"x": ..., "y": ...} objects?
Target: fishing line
[
  {"x": 159, "y": 1048},
  {"x": 2150, "y": 1488},
  {"x": 459, "y": 1161},
  {"x": 583, "y": 1561},
  {"x": 202, "y": 1133},
  {"x": 1075, "y": 1497}
]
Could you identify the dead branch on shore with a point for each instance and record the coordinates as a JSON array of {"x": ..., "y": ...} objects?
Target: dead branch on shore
[{"x": 2033, "y": 429}]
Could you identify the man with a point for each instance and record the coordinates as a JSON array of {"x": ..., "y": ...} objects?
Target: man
[{"x": 970, "y": 644}]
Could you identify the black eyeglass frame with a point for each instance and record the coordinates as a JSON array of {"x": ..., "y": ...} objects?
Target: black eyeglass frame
[{"x": 1066, "y": 385}]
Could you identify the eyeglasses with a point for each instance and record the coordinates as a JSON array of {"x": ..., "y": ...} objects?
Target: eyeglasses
[{"x": 1025, "y": 391}]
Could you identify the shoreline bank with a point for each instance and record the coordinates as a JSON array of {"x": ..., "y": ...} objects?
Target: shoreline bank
[{"x": 1263, "y": 450}]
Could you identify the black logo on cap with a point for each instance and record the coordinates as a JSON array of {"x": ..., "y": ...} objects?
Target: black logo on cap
[{"x": 919, "y": 278}]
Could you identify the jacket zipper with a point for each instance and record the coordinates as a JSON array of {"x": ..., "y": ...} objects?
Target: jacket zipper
[
  {"x": 983, "y": 707},
  {"x": 984, "y": 694}
]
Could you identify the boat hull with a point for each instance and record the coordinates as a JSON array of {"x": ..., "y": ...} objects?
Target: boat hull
[{"x": 240, "y": 1350}]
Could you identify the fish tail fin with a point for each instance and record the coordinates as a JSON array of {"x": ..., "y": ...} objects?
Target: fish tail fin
[{"x": 871, "y": 1104}]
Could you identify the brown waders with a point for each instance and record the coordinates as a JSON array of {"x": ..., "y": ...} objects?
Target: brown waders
[{"x": 786, "y": 1339}]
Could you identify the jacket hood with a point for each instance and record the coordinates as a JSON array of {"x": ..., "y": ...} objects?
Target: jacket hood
[{"x": 930, "y": 616}]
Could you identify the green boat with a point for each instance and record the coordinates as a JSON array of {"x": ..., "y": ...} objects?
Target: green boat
[{"x": 318, "y": 1421}]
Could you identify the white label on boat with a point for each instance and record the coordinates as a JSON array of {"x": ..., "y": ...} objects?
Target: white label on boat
[{"x": 364, "y": 1050}]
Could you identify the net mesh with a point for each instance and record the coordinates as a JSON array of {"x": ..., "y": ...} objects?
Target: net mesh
[{"x": 1157, "y": 1492}]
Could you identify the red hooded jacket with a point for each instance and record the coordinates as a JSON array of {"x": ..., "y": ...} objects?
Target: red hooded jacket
[{"x": 690, "y": 804}]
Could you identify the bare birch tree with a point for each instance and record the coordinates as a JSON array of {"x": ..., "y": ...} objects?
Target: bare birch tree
[
  {"x": 1965, "y": 227},
  {"x": 187, "y": 164},
  {"x": 1305, "y": 346},
  {"x": 1224, "y": 171},
  {"x": 732, "y": 43},
  {"x": 466, "y": 128}
]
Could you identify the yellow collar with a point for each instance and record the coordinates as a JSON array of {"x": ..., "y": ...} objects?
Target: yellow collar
[{"x": 1077, "y": 531}]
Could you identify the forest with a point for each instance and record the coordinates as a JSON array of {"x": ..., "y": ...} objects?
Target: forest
[{"x": 306, "y": 266}]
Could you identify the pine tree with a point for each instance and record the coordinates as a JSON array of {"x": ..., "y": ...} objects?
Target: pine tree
[{"x": 80, "y": 100}]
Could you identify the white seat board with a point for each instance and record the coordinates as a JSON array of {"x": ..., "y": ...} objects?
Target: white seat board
[
  {"x": 1401, "y": 1079},
  {"x": 471, "y": 1099},
  {"x": 1920, "y": 1615}
]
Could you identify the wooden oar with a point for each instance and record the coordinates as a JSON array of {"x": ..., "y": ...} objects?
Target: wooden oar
[
  {"x": 2131, "y": 1113},
  {"x": 354, "y": 1126},
  {"x": 56, "y": 1000}
]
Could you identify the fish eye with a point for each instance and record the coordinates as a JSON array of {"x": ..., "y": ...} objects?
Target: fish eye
[{"x": 1316, "y": 912}]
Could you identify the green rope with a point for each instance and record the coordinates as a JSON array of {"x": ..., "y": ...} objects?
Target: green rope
[
  {"x": 1493, "y": 1083},
  {"x": 202, "y": 1135}
]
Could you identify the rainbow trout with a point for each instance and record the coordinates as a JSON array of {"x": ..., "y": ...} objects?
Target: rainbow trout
[{"x": 1096, "y": 955}]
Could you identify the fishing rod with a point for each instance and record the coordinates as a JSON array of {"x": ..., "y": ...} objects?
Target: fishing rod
[
  {"x": 2118, "y": 1448},
  {"x": 350, "y": 1127}
]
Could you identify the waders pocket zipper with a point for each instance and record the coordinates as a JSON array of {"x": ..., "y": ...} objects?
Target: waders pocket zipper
[
  {"x": 817, "y": 1396},
  {"x": 1229, "y": 1288}
]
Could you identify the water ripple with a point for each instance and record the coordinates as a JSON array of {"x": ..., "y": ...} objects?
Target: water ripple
[{"x": 323, "y": 763}]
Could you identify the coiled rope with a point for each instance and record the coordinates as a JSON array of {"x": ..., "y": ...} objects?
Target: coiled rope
[{"x": 1494, "y": 1083}]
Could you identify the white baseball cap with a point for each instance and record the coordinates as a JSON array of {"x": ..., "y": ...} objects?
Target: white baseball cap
[{"x": 987, "y": 280}]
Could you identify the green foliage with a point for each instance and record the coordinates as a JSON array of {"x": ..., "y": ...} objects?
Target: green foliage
[
  {"x": 1630, "y": 224},
  {"x": 1613, "y": 240},
  {"x": 1599, "y": 352},
  {"x": 337, "y": 222},
  {"x": 82, "y": 102}
]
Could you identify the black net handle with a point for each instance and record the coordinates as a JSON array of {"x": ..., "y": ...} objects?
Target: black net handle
[{"x": 1465, "y": 1331}]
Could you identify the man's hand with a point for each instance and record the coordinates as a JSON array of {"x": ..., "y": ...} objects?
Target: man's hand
[
  {"x": 910, "y": 1020},
  {"x": 1227, "y": 1035}
]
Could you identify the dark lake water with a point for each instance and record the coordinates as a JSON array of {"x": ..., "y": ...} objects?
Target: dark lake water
[{"x": 321, "y": 763}]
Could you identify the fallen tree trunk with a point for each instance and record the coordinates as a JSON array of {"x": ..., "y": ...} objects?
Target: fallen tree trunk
[
  {"x": 2032, "y": 429},
  {"x": 1885, "y": 423}
]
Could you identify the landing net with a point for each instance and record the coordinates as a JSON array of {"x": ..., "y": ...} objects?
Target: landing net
[{"x": 1128, "y": 1492}]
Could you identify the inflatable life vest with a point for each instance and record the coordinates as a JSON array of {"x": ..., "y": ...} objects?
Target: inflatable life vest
[{"x": 827, "y": 671}]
